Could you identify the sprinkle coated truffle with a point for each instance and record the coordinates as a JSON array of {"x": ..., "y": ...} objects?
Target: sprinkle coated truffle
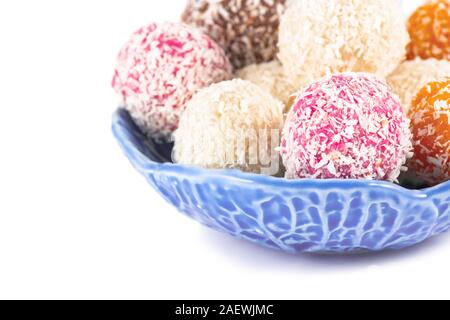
[
  {"x": 430, "y": 124},
  {"x": 411, "y": 76},
  {"x": 319, "y": 37},
  {"x": 160, "y": 68},
  {"x": 226, "y": 124},
  {"x": 246, "y": 29},
  {"x": 271, "y": 78},
  {"x": 429, "y": 28},
  {"x": 347, "y": 126}
]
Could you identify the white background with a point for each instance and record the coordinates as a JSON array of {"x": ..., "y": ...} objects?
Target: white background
[{"x": 76, "y": 221}]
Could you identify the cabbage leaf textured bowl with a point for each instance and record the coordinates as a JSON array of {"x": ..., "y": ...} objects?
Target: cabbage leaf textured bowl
[{"x": 291, "y": 215}]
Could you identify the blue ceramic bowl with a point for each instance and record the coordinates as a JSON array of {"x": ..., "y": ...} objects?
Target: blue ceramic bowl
[{"x": 291, "y": 215}]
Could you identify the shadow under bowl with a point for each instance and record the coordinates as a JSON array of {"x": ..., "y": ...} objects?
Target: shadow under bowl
[{"x": 333, "y": 216}]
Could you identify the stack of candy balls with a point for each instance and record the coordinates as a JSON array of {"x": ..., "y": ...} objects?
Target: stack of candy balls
[{"x": 319, "y": 89}]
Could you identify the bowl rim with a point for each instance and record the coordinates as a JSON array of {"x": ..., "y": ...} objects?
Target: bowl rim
[{"x": 144, "y": 162}]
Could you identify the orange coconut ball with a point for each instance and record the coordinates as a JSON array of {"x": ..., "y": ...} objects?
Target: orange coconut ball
[
  {"x": 430, "y": 125},
  {"x": 429, "y": 29}
]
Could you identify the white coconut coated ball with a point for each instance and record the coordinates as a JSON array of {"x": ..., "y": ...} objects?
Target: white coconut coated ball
[
  {"x": 226, "y": 125},
  {"x": 271, "y": 78},
  {"x": 411, "y": 76},
  {"x": 318, "y": 37}
]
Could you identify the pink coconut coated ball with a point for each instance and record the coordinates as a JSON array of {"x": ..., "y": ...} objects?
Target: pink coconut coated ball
[
  {"x": 160, "y": 68},
  {"x": 346, "y": 126}
]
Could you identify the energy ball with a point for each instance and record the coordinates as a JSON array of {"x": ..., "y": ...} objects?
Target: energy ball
[
  {"x": 319, "y": 37},
  {"x": 429, "y": 29},
  {"x": 233, "y": 124},
  {"x": 270, "y": 77},
  {"x": 346, "y": 126},
  {"x": 160, "y": 68},
  {"x": 411, "y": 76},
  {"x": 430, "y": 124},
  {"x": 246, "y": 29}
]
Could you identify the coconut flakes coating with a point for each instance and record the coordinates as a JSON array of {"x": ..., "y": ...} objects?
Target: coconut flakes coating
[
  {"x": 246, "y": 29},
  {"x": 429, "y": 29},
  {"x": 346, "y": 126},
  {"x": 319, "y": 37},
  {"x": 411, "y": 76},
  {"x": 271, "y": 78},
  {"x": 430, "y": 124},
  {"x": 219, "y": 117},
  {"x": 160, "y": 68}
]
